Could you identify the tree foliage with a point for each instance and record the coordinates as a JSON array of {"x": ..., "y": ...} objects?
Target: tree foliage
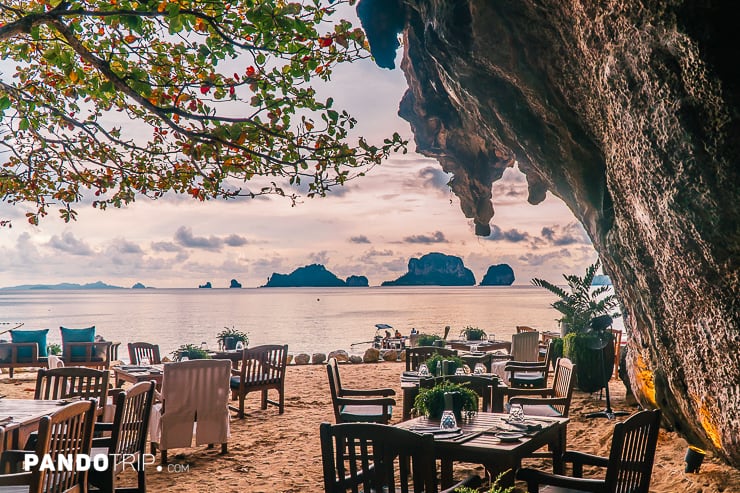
[
  {"x": 214, "y": 94},
  {"x": 582, "y": 303}
]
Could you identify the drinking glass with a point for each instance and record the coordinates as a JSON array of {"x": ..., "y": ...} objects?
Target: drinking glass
[
  {"x": 491, "y": 337},
  {"x": 448, "y": 421},
  {"x": 466, "y": 369},
  {"x": 184, "y": 358},
  {"x": 144, "y": 361},
  {"x": 204, "y": 345},
  {"x": 460, "y": 371},
  {"x": 516, "y": 413},
  {"x": 473, "y": 348},
  {"x": 423, "y": 370},
  {"x": 480, "y": 368},
  {"x": 239, "y": 346}
]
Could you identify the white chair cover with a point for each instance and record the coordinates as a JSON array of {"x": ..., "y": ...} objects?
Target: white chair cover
[
  {"x": 54, "y": 361},
  {"x": 524, "y": 347},
  {"x": 190, "y": 388}
]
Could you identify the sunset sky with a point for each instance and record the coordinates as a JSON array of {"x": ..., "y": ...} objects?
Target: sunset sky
[{"x": 370, "y": 227}]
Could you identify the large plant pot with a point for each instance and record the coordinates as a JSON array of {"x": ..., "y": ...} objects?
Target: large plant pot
[
  {"x": 229, "y": 343},
  {"x": 580, "y": 349}
]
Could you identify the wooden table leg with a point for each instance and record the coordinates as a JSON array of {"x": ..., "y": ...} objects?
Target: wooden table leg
[{"x": 446, "y": 473}]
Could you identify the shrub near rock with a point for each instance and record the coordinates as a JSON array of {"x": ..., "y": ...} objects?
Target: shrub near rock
[{"x": 372, "y": 355}]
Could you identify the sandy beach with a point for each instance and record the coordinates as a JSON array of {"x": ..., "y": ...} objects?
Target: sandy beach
[{"x": 269, "y": 452}]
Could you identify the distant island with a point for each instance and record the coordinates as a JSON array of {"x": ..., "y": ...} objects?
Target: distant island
[
  {"x": 498, "y": 275},
  {"x": 235, "y": 284},
  {"x": 207, "y": 285},
  {"x": 435, "y": 269},
  {"x": 312, "y": 276},
  {"x": 66, "y": 285},
  {"x": 138, "y": 285}
]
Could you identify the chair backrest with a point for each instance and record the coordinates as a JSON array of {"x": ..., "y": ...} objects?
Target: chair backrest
[
  {"x": 131, "y": 420},
  {"x": 632, "y": 453},
  {"x": 138, "y": 350},
  {"x": 481, "y": 385},
  {"x": 66, "y": 432},
  {"x": 264, "y": 364},
  {"x": 563, "y": 383},
  {"x": 524, "y": 328},
  {"x": 72, "y": 381},
  {"x": 525, "y": 346},
  {"x": 195, "y": 388},
  {"x": 417, "y": 355},
  {"x": 335, "y": 386},
  {"x": 375, "y": 457}
]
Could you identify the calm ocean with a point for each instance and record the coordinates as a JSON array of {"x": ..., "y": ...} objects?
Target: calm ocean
[{"x": 307, "y": 319}]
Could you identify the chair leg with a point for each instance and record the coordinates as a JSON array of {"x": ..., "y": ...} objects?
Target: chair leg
[
  {"x": 281, "y": 405},
  {"x": 224, "y": 448},
  {"x": 241, "y": 405},
  {"x": 141, "y": 473},
  {"x": 164, "y": 456},
  {"x": 264, "y": 399}
]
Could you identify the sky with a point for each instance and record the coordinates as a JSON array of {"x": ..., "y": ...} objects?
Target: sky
[{"x": 372, "y": 226}]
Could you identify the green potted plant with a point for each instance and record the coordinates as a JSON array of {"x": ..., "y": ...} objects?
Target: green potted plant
[
  {"x": 427, "y": 339},
  {"x": 470, "y": 333},
  {"x": 453, "y": 363},
  {"x": 580, "y": 304},
  {"x": 228, "y": 338},
  {"x": 190, "y": 351},
  {"x": 431, "y": 402},
  {"x": 494, "y": 488},
  {"x": 55, "y": 349}
]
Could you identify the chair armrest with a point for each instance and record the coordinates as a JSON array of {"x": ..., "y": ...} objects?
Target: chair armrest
[
  {"x": 579, "y": 459},
  {"x": 511, "y": 392},
  {"x": 103, "y": 426},
  {"x": 236, "y": 372},
  {"x": 22, "y": 478},
  {"x": 114, "y": 393},
  {"x": 525, "y": 365},
  {"x": 535, "y": 477},
  {"x": 539, "y": 401},
  {"x": 10, "y": 460},
  {"x": 383, "y": 401},
  {"x": 472, "y": 481},
  {"x": 361, "y": 392}
]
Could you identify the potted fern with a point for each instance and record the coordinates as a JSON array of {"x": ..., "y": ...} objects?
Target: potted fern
[
  {"x": 579, "y": 304},
  {"x": 472, "y": 334},
  {"x": 453, "y": 363},
  {"x": 228, "y": 338},
  {"x": 427, "y": 339},
  {"x": 431, "y": 402},
  {"x": 190, "y": 351}
]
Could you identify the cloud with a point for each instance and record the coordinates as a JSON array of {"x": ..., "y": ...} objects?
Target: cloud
[
  {"x": 570, "y": 234},
  {"x": 544, "y": 259},
  {"x": 434, "y": 178},
  {"x": 510, "y": 235},
  {"x": 67, "y": 243},
  {"x": 359, "y": 239},
  {"x": 234, "y": 240},
  {"x": 184, "y": 237},
  {"x": 165, "y": 246},
  {"x": 436, "y": 237},
  {"x": 369, "y": 256},
  {"x": 126, "y": 247},
  {"x": 321, "y": 257}
]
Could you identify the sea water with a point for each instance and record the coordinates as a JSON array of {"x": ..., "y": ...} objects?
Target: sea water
[{"x": 307, "y": 319}]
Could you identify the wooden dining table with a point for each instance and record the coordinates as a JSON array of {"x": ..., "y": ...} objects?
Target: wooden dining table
[
  {"x": 135, "y": 374},
  {"x": 21, "y": 417},
  {"x": 478, "y": 443},
  {"x": 484, "y": 346}
]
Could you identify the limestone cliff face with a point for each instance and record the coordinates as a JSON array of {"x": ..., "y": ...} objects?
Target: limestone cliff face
[
  {"x": 435, "y": 269},
  {"x": 628, "y": 111}
]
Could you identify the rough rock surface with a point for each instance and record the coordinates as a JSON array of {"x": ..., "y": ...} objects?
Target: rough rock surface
[
  {"x": 390, "y": 355},
  {"x": 629, "y": 111},
  {"x": 372, "y": 355},
  {"x": 302, "y": 359},
  {"x": 435, "y": 269},
  {"x": 355, "y": 359},
  {"x": 314, "y": 275},
  {"x": 340, "y": 354},
  {"x": 318, "y": 358},
  {"x": 498, "y": 275}
]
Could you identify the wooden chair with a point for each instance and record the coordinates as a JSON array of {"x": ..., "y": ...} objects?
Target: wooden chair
[
  {"x": 481, "y": 385},
  {"x": 195, "y": 390},
  {"x": 88, "y": 354},
  {"x": 127, "y": 440},
  {"x": 66, "y": 382},
  {"x": 628, "y": 467},
  {"x": 139, "y": 350},
  {"x": 356, "y": 405},
  {"x": 12, "y": 360},
  {"x": 375, "y": 457},
  {"x": 529, "y": 374},
  {"x": 524, "y": 347},
  {"x": 549, "y": 401},
  {"x": 417, "y": 355},
  {"x": 262, "y": 368},
  {"x": 66, "y": 432}
]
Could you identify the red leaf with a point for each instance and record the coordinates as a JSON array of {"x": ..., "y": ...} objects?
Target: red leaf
[
  {"x": 325, "y": 41},
  {"x": 250, "y": 71},
  {"x": 204, "y": 89}
]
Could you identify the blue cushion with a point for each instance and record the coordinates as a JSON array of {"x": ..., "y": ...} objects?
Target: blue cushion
[
  {"x": 78, "y": 335},
  {"x": 37, "y": 336}
]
